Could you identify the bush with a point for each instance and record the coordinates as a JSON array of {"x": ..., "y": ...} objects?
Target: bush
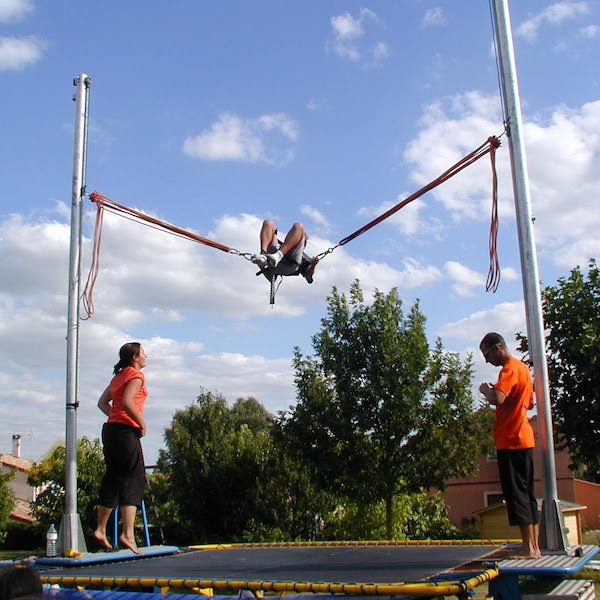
[{"x": 24, "y": 536}]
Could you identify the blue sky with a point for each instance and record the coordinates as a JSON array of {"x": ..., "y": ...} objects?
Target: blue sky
[{"x": 216, "y": 115}]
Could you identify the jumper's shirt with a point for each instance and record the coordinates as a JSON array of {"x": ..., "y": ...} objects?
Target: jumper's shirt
[
  {"x": 116, "y": 389},
  {"x": 512, "y": 429}
]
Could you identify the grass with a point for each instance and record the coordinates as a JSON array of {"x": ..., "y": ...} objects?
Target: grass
[{"x": 17, "y": 554}]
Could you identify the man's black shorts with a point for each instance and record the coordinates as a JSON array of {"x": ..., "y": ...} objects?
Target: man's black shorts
[{"x": 517, "y": 479}]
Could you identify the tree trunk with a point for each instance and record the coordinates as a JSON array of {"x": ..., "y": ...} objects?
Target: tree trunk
[{"x": 389, "y": 515}]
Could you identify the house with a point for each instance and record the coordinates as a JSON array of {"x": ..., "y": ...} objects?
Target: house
[
  {"x": 24, "y": 493},
  {"x": 466, "y": 496}
]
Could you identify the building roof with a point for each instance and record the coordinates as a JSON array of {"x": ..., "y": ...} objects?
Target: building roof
[
  {"x": 22, "y": 511},
  {"x": 21, "y": 464}
]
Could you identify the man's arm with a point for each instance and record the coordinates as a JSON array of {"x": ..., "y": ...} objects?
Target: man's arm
[{"x": 492, "y": 395}]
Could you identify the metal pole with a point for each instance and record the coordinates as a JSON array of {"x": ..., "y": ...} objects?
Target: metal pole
[
  {"x": 552, "y": 534},
  {"x": 71, "y": 533}
]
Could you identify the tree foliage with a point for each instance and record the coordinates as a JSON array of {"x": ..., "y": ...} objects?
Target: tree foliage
[
  {"x": 225, "y": 476},
  {"x": 572, "y": 320},
  {"x": 417, "y": 516},
  {"x": 7, "y": 503},
  {"x": 212, "y": 466},
  {"x": 376, "y": 413},
  {"x": 49, "y": 475}
]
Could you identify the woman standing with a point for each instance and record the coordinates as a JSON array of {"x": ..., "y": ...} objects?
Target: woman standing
[{"x": 123, "y": 484}]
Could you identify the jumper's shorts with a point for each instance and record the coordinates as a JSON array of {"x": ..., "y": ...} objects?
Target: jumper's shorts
[{"x": 290, "y": 263}]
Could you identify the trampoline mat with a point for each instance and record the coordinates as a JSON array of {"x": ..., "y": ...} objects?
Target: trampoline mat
[{"x": 346, "y": 564}]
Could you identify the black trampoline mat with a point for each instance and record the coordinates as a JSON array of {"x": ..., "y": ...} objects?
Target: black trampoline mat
[{"x": 316, "y": 564}]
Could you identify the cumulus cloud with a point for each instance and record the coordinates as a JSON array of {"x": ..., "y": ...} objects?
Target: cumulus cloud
[
  {"x": 354, "y": 41},
  {"x": 316, "y": 216},
  {"x": 555, "y": 14},
  {"x": 14, "y": 10},
  {"x": 264, "y": 139},
  {"x": 464, "y": 280},
  {"x": 589, "y": 32},
  {"x": 561, "y": 175},
  {"x": 433, "y": 16},
  {"x": 18, "y": 53}
]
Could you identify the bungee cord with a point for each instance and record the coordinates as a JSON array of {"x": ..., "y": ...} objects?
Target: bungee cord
[{"x": 104, "y": 203}]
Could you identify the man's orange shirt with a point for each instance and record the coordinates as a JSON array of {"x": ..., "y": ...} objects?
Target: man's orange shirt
[
  {"x": 116, "y": 389},
  {"x": 512, "y": 429}
]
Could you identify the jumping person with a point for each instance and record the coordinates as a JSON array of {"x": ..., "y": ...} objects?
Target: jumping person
[
  {"x": 512, "y": 395},
  {"x": 287, "y": 258},
  {"x": 125, "y": 479}
]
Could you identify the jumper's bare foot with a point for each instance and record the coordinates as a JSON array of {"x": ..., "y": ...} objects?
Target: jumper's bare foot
[
  {"x": 100, "y": 537},
  {"x": 129, "y": 544}
]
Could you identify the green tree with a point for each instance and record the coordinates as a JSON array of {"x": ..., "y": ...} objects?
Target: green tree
[
  {"x": 212, "y": 468},
  {"x": 375, "y": 412},
  {"x": 7, "y": 503},
  {"x": 416, "y": 516},
  {"x": 572, "y": 320},
  {"x": 49, "y": 475}
]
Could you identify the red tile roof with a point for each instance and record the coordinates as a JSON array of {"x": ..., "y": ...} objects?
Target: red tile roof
[
  {"x": 22, "y": 511},
  {"x": 21, "y": 464}
]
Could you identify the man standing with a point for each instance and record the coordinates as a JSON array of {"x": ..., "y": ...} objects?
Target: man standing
[{"x": 512, "y": 395}]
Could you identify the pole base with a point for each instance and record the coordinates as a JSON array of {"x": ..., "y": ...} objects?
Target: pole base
[
  {"x": 70, "y": 534},
  {"x": 553, "y": 533}
]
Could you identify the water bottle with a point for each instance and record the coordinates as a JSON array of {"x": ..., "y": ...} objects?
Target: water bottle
[{"x": 51, "y": 540}]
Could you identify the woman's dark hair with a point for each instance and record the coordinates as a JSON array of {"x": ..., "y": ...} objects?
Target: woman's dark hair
[
  {"x": 127, "y": 353},
  {"x": 20, "y": 581}
]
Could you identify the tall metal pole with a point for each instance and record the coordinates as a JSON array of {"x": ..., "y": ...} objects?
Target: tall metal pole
[
  {"x": 552, "y": 534},
  {"x": 71, "y": 533}
]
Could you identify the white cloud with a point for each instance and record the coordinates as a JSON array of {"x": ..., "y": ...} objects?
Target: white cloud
[
  {"x": 316, "y": 215},
  {"x": 561, "y": 174},
  {"x": 510, "y": 274},
  {"x": 316, "y": 103},
  {"x": 19, "y": 53},
  {"x": 464, "y": 279},
  {"x": 589, "y": 32},
  {"x": 554, "y": 15},
  {"x": 14, "y": 10},
  {"x": 507, "y": 318},
  {"x": 261, "y": 140},
  {"x": 416, "y": 274},
  {"x": 353, "y": 42},
  {"x": 433, "y": 16}
]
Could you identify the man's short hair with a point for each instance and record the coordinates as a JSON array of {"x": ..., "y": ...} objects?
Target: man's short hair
[{"x": 492, "y": 339}]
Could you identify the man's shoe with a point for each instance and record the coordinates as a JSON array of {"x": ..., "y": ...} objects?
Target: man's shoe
[
  {"x": 274, "y": 259},
  {"x": 260, "y": 260}
]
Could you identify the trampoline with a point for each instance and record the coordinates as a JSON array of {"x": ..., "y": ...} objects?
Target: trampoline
[{"x": 430, "y": 569}]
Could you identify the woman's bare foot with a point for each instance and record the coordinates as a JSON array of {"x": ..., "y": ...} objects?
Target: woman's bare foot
[
  {"x": 100, "y": 537},
  {"x": 128, "y": 543}
]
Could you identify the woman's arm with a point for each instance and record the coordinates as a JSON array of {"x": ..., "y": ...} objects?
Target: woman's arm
[
  {"x": 131, "y": 390},
  {"x": 104, "y": 402}
]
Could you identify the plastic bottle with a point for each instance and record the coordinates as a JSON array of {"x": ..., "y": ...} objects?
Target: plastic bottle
[{"x": 51, "y": 540}]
